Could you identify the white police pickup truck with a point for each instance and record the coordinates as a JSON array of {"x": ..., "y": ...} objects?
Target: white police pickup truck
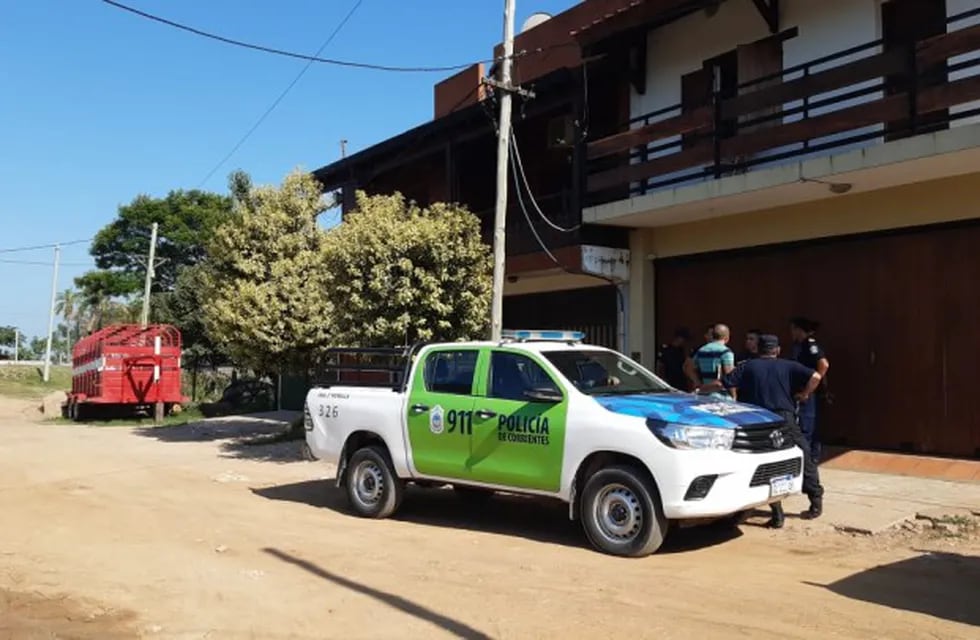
[{"x": 541, "y": 413}]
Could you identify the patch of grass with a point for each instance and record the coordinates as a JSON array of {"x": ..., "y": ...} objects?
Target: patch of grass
[
  {"x": 958, "y": 521},
  {"x": 24, "y": 381},
  {"x": 189, "y": 414}
]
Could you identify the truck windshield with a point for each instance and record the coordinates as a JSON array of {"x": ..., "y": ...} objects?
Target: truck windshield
[{"x": 597, "y": 372}]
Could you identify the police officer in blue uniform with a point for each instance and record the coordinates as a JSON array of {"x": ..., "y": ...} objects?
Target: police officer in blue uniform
[
  {"x": 777, "y": 385},
  {"x": 808, "y": 352},
  {"x": 672, "y": 361}
]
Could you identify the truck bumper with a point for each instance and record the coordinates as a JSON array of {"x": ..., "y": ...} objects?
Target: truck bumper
[{"x": 726, "y": 483}]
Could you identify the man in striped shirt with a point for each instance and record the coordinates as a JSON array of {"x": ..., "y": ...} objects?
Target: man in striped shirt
[{"x": 715, "y": 359}]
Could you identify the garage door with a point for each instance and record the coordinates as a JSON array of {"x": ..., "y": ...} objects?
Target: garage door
[{"x": 900, "y": 326}]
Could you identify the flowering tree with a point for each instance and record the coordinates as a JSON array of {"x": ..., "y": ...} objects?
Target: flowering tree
[
  {"x": 263, "y": 282},
  {"x": 397, "y": 273}
]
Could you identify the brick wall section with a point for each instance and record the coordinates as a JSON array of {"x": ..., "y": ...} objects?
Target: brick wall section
[{"x": 459, "y": 91}]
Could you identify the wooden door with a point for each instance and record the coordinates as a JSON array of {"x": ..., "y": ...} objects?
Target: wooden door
[
  {"x": 898, "y": 317},
  {"x": 761, "y": 59},
  {"x": 695, "y": 94},
  {"x": 903, "y": 23}
]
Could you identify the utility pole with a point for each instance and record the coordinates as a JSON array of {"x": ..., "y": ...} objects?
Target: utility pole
[
  {"x": 54, "y": 296},
  {"x": 503, "y": 147},
  {"x": 16, "y": 344},
  {"x": 150, "y": 268}
]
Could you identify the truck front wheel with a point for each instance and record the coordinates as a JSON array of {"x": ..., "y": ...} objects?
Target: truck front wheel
[
  {"x": 373, "y": 489},
  {"x": 621, "y": 513}
]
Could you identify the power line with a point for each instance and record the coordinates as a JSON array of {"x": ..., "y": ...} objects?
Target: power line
[
  {"x": 282, "y": 95},
  {"x": 46, "y": 246},
  {"x": 519, "y": 166},
  {"x": 45, "y": 264},
  {"x": 283, "y": 52}
]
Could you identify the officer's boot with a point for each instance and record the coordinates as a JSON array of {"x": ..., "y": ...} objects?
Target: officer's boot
[
  {"x": 778, "y": 516},
  {"x": 815, "y": 510}
]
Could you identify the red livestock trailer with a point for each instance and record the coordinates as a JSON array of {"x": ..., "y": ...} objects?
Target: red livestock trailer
[{"x": 123, "y": 369}]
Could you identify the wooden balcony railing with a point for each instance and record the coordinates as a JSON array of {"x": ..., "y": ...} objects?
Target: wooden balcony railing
[{"x": 807, "y": 109}]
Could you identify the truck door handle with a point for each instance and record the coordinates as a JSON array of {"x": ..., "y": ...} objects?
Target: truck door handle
[
  {"x": 485, "y": 414},
  {"x": 419, "y": 408}
]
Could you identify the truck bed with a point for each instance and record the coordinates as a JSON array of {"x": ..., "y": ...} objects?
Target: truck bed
[{"x": 336, "y": 412}]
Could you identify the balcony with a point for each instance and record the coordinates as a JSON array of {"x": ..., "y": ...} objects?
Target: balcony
[{"x": 866, "y": 96}]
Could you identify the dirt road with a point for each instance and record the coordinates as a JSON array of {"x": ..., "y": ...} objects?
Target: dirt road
[{"x": 188, "y": 533}]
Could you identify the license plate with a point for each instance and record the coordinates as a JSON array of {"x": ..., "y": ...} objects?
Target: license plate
[{"x": 781, "y": 486}]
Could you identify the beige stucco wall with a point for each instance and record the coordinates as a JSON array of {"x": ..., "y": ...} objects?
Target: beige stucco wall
[{"x": 936, "y": 201}]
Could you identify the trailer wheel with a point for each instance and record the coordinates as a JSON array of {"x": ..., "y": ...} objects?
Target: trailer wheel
[{"x": 373, "y": 489}]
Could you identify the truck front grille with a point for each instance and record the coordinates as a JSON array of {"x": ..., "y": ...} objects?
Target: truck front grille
[
  {"x": 763, "y": 438},
  {"x": 766, "y": 472}
]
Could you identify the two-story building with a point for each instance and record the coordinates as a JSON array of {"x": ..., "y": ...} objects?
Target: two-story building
[
  {"x": 560, "y": 273},
  {"x": 757, "y": 159},
  {"x": 816, "y": 158}
]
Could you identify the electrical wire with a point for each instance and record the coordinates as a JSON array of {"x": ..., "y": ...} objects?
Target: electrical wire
[
  {"x": 544, "y": 247},
  {"x": 46, "y": 246},
  {"x": 282, "y": 95},
  {"x": 527, "y": 216},
  {"x": 333, "y": 61},
  {"x": 283, "y": 52},
  {"x": 520, "y": 167},
  {"x": 45, "y": 264}
]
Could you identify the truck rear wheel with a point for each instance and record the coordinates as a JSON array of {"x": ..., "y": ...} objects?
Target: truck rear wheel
[
  {"x": 373, "y": 489},
  {"x": 621, "y": 512}
]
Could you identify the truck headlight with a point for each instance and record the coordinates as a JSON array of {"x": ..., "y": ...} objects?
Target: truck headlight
[{"x": 685, "y": 437}]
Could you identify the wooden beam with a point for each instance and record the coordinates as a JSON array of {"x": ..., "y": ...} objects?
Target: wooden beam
[
  {"x": 641, "y": 14},
  {"x": 890, "y": 109},
  {"x": 885, "y": 110},
  {"x": 939, "y": 48},
  {"x": 769, "y": 10},
  {"x": 689, "y": 158},
  {"x": 948, "y": 95},
  {"x": 697, "y": 120},
  {"x": 570, "y": 257},
  {"x": 861, "y": 70}
]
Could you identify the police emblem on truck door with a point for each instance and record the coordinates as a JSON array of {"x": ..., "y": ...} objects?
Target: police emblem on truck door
[{"x": 436, "y": 424}]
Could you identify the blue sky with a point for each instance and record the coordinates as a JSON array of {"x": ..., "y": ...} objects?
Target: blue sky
[{"x": 98, "y": 105}]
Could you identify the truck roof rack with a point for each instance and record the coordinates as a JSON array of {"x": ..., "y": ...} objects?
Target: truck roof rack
[{"x": 542, "y": 335}]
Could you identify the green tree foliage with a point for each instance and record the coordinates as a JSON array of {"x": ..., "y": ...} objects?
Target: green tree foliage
[
  {"x": 8, "y": 335},
  {"x": 183, "y": 308},
  {"x": 263, "y": 287},
  {"x": 399, "y": 273},
  {"x": 35, "y": 349},
  {"x": 186, "y": 220}
]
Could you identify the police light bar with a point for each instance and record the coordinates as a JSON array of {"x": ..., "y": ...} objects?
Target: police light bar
[{"x": 545, "y": 335}]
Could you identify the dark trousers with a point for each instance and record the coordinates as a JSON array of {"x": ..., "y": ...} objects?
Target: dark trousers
[
  {"x": 811, "y": 475},
  {"x": 808, "y": 425}
]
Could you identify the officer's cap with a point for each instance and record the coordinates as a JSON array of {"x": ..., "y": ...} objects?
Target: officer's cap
[
  {"x": 804, "y": 323},
  {"x": 768, "y": 343}
]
